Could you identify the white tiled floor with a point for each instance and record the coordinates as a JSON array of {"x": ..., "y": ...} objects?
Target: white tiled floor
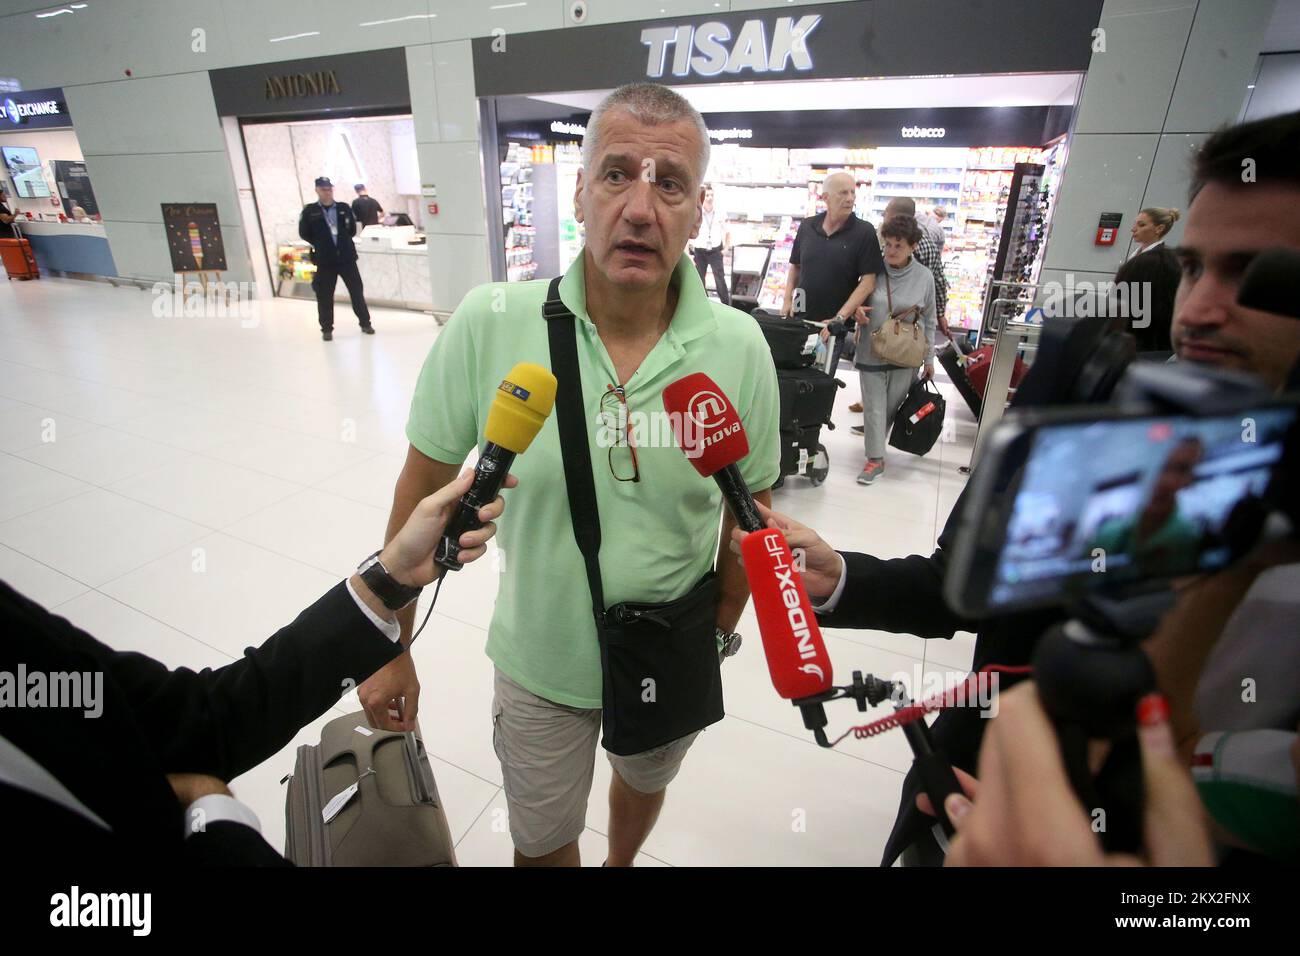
[{"x": 206, "y": 481}]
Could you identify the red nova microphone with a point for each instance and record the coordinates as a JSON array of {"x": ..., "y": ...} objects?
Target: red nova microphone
[
  {"x": 709, "y": 432},
  {"x": 792, "y": 641}
]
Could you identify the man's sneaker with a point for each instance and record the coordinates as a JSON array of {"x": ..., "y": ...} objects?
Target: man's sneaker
[
  {"x": 857, "y": 429},
  {"x": 870, "y": 472},
  {"x": 328, "y": 336},
  {"x": 855, "y": 407}
]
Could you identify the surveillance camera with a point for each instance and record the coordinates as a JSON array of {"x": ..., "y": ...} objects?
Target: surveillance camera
[{"x": 578, "y": 11}]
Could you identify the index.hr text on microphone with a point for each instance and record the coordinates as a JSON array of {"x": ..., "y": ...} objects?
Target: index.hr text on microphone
[{"x": 796, "y": 656}]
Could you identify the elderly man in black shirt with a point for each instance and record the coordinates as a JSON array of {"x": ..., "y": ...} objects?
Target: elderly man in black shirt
[{"x": 833, "y": 263}]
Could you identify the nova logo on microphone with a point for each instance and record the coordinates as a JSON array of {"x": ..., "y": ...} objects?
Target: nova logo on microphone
[{"x": 708, "y": 411}]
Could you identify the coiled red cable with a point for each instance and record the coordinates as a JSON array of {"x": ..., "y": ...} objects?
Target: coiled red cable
[{"x": 907, "y": 715}]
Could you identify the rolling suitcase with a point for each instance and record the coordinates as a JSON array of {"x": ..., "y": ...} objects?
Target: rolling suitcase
[
  {"x": 793, "y": 343},
  {"x": 18, "y": 259},
  {"x": 980, "y": 361},
  {"x": 802, "y": 453},
  {"x": 807, "y": 396},
  {"x": 365, "y": 797}
]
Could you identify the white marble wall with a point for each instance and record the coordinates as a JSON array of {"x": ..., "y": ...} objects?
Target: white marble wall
[
  {"x": 379, "y": 273},
  {"x": 285, "y": 160},
  {"x": 395, "y": 277}
]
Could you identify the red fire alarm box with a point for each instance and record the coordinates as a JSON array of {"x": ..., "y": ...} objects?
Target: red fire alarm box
[
  {"x": 1108, "y": 228},
  {"x": 433, "y": 208}
]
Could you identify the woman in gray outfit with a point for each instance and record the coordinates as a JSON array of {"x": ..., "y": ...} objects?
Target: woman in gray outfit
[{"x": 909, "y": 287}]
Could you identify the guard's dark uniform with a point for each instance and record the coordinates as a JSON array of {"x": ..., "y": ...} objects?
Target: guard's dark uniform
[{"x": 335, "y": 258}]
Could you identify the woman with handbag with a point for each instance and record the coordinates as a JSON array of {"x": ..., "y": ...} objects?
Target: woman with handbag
[{"x": 898, "y": 339}]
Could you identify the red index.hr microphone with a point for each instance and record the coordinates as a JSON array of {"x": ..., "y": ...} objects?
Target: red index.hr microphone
[
  {"x": 709, "y": 432},
  {"x": 792, "y": 641}
]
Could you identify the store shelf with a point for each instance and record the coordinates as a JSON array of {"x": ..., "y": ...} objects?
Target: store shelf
[
  {"x": 779, "y": 184},
  {"x": 920, "y": 195},
  {"x": 517, "y": 210}
]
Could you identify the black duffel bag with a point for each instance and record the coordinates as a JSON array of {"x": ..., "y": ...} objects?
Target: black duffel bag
[{"x": 919, "y": 420}]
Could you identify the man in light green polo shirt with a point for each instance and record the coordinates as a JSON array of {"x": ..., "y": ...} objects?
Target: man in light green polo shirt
[{"x": 643, "y": 321}]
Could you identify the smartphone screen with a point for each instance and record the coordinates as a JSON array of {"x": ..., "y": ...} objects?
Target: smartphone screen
[{"x": 1116, "y": 503}]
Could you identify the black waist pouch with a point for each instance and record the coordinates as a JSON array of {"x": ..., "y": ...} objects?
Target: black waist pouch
[
  {"x": 661, "y": 670},
  {"x": 660, "y": 666}
]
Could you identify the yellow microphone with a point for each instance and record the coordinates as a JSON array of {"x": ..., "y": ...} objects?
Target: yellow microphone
[{"x": 520, "y": 407}]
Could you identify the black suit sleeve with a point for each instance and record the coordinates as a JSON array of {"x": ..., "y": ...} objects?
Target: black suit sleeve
[
  {"x": 227, "y": 843},
  {"x": 303, "y": 233},
  {"x": 223, "y": 722},
  {"x": 900, "y": 595}
]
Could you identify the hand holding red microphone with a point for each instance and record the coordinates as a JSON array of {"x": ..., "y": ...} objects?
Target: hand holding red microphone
[
  {"x": 709, "y": 431},
  {"x": 821, "y": 566}
]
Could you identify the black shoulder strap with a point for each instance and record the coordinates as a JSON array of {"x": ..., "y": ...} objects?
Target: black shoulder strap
[{"x": 575, "y": 451}]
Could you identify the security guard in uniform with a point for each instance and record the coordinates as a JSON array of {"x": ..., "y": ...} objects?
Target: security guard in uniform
[{"x": 329, "y": 226}]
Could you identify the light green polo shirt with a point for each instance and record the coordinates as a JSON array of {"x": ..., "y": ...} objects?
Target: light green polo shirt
[{"x": 659, "y": 536}]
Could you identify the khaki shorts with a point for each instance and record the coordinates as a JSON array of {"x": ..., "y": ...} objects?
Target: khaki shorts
[{"x": 548, "y": 757}]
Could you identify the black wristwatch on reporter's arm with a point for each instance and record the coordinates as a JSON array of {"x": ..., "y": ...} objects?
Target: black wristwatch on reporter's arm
[{"x": 388, "y": 589}]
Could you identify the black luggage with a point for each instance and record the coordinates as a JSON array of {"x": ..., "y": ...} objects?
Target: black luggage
[
  {"x": 802, "y": 453},
  {"x": 792, "y": 341},
  {"x": 807, "y": 397},
  {"x": 918, "y": 422},
  {"x": 951, "y": 360}
]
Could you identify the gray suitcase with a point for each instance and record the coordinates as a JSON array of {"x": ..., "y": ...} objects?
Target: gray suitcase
[{"x": 365, "y": 797}]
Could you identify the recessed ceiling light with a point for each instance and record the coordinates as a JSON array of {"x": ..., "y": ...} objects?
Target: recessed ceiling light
[{"x": 413, "y": 16}]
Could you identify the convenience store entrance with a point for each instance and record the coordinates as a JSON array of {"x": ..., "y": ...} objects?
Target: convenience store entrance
[{"x": 952, "y": 144}]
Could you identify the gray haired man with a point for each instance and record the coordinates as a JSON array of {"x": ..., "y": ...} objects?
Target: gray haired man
[{"x": 642, "y": 322}]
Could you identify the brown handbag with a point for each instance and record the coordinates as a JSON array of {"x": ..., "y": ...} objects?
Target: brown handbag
[{"x": 897, "y": 342}]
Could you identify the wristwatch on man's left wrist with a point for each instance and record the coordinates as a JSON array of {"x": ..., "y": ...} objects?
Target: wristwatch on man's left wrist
[
  {"x": 392, "y": 593},
  {"x": 728, "y": 643}
]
